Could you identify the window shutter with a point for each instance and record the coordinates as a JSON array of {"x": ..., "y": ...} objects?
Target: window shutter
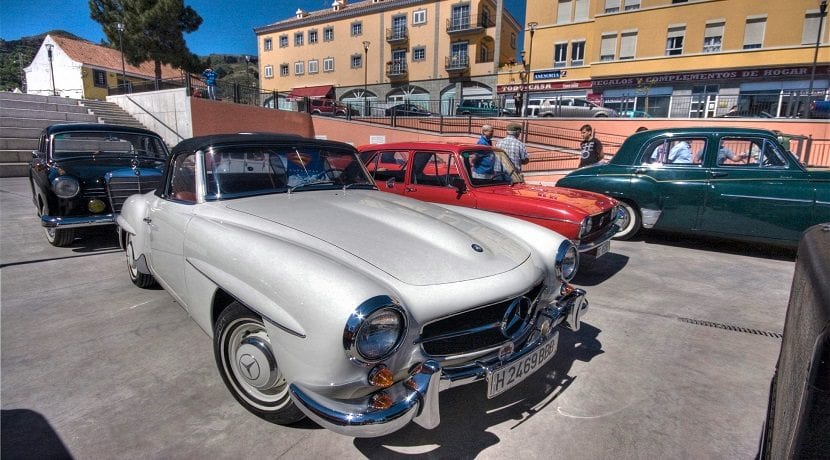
[
  {"x": 628, "y": 45},
  {"x": 609, "y": 45},
  {"x": 581, "y": 12},
  {"x": 563, "y": 15},
  {"x": 611, "y": 4},
  {"x": 811, "y": 21},
  {"x": 754, "y": 32},
  {"x": 714, "y": 29}
]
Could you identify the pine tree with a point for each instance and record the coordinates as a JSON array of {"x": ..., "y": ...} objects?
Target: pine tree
[{"x": 153, "y": 30}]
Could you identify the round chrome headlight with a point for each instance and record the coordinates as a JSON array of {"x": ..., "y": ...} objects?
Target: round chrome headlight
[
  {"x": 567, "y": 260},
  {"x": 65, "y": 186},
  {"x": 586, "y": 226},
  {"x": 375, "y": 330}
]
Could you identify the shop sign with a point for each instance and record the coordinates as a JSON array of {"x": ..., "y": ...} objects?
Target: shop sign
[
  {"x": 549, "y": 74},
  {"x": 543, "y": 86},
  {"x": 744, "y": 74}
]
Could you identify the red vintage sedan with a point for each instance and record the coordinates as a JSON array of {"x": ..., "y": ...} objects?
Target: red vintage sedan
[{"x": 483, "y": 177}]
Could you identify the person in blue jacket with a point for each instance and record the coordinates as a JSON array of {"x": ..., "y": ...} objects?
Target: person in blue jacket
[{"x": 210, "y": 80}]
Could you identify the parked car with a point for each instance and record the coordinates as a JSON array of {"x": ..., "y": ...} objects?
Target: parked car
[
  {"x": 820, "y": 109},
  {"x": 481, "y": 177},
  {"x": 634, "y": 114},
  {"x": 329, "y": 299},
  {"x": 739, "y": 183},
  {"x": 573, "y": 107},
  {"x": 322, "y": 106},
  {"x": 483, "y": 108},
  {"x": 81, "y": 174},
  {"x": 746, "y": 114},
  {"x": 407, "y": 109}
]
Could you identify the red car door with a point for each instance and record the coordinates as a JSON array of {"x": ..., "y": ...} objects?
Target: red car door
[
  {"x": 388, "y": 168},
  {"x": 431, "y": 177}
]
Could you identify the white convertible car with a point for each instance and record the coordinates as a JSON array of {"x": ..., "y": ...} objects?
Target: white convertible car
[{"x": 329, "y": 299}]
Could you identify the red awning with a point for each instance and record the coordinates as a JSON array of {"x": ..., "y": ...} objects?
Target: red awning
[{"x": 312, "y": 91}]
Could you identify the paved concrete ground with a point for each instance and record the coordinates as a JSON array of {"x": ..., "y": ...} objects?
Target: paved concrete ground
[{"x": 673, "y": 361}]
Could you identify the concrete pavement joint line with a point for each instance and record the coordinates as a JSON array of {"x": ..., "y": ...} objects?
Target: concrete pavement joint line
[
  {"x": 37, "y": 261},
  {"x": 142, "y": 303},
  {"x": 730, "y": 327}
]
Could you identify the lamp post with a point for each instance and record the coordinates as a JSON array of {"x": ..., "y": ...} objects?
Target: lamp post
[
  {"x": 822, "y": 12},
  {"x": 532, "y": 27},
  {"x": 120, "y": 27},
  {"x": 49, "y": 47},
  {"x": 365, "y": 75}
]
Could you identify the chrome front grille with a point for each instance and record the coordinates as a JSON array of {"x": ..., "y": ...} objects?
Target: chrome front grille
[
  {"x": 478, "y": 329},
  {"x": 121, "y": 187}
]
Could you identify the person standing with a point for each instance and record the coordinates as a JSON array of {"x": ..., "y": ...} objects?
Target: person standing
[
  {"x": 210, "y": 80},
  {"x": 590, "y": 147},
  {"x": 513, "y": 147},
  {"x": 486, "y": 135}
]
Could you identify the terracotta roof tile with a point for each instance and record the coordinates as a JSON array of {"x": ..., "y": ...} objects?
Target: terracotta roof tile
[{"x": 107, "y": 58}]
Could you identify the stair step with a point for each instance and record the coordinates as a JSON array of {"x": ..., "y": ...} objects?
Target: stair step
[
  {"x": 15, "y": 104},
  {"x": 19, "y": 143},
  {"x": 56, "y": 117},
  {"x": 14, "y": 169}
]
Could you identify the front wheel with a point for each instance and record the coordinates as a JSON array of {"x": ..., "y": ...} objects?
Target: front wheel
[
  {"x": 630, "y": 222},
  {"x": 246, "y": 361},
  {"x": 60, "y": 237},
  {"x": 142, "y": 280}
]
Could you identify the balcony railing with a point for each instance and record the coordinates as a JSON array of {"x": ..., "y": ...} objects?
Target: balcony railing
[
  {"x": 469, "y": 24},
  {"x": 396, "y": 35},
  {"x": 396, "y": 70},
  {"x": 485, "y": 57},
  {"x": 457, "y": 63}
]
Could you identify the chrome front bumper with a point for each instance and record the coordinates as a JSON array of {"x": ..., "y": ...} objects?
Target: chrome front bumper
[
  {"x": 589, "y": 246},
  {"x": 416, "y": 397},
  {"x": 75, "y": 222}
]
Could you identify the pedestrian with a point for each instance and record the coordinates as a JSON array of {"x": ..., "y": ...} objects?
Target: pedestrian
[
  {"x": 590, "y": 147},
  {"x": 210, "y": 80},
  {"x": 486, "y": 135},
  {"x": 513, "y": 147}
]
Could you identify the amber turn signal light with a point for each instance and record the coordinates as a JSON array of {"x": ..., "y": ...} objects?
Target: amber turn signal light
[
  {"x": 380, "y": 376},
  {"x": 381, "y": 400}
]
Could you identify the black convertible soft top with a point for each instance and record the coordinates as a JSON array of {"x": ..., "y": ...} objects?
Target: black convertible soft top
[{"x": 201, "y": 142}]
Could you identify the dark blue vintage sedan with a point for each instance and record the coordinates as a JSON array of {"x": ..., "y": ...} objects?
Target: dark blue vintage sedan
[
  {"x": 82, "y": 173},
  {"x": 736, "y": 183}
]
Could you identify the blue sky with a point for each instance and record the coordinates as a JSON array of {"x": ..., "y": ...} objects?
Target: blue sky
[{"x": 227, "y": 27}]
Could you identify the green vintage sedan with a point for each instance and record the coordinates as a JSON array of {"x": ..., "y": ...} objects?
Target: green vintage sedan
[{"x": 729, "y": 182}]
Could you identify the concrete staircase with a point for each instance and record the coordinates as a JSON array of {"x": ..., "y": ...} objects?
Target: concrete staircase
[{"x": 23, "y": 117}]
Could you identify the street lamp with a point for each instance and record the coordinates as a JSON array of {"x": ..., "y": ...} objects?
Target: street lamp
[
  {"x": 532, "y": 27},
  {"x": 49, "y": 47},
  {"x": 120, "y": 27},
  {"x": 822, "y": 12},
  {"x": 365, "y": 75}
]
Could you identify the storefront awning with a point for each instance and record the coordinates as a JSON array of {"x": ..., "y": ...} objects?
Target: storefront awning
[{"x": 313, "y": 91}]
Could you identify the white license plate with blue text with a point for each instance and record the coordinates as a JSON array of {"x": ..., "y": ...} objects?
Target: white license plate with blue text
[
  {"x": 602, "y": 249},
  {"x": 501, "y": 379}
]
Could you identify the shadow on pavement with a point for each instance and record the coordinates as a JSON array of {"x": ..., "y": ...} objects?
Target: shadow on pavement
[
  {"x": 714, "y": 244},
  {"x": 595, "y": 271},
  {"x": 27, "y": 434},
  {"x": 467, "y": 414}
]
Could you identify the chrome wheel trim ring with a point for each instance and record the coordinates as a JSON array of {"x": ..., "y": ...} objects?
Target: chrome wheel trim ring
[{"x": 244, "y": 347}]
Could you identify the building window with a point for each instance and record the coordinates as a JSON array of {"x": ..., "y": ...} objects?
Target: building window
[
  {"x": 419, "y": 17},
  {"x": 754, "y": 33},
  {"x": 328, "y": 34},
  {"x": 608, "y": 47},
  {"x": 299, "y": 68},
  {"x": 513, "y": 40},
  {"x": 612, "y": 6},
  {"x": 811, "y": 22},
  {"x": 713, "y": 37},
  {"x": 628, "y": 45},
  {"x": 581, "y": 10},
  {"x": 283, "y": 41},
  {"x": 298, "y": 39},
  {"x": 283, "y": 70},
  {"x": 419, "y": 53},
  {"x": 560, "y": 55},
  {"x": 312, "y": 37},
  {"x": 357, "y": 29},
  {"x": 357, "y": 61},
  {"x": 269, "y": 71},
  {"x": 674, "y": 40},
  {"x": 632, "y": 5},
  {"x": 563, "y": 12},
  {"x": 99, "y": 78},
  {"x": 313, "y": 66},
  {"x": 679, "y": 1},
  {"x": 328, "y": 65},
  {"x": 268, "y": 44},
  {"x": 577, "y": 53}
]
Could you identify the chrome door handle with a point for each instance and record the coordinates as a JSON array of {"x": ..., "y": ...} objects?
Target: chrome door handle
[
  {"x": 147, "y": 219},
  {"x": 718, "y": 174}
]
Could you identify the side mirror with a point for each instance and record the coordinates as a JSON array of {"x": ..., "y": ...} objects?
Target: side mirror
[
  {"x": 35, "y": 154},
  {"x": 458, "y": 183}
]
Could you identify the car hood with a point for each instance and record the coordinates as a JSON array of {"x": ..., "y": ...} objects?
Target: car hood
[
  {"x": 572, "y": 203},
  {"x": 415, "y": 242}
]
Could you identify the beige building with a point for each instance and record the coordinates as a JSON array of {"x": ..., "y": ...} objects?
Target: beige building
[
  {"x": 695, "y": 58},
  {"x": 390, "y": 51}
]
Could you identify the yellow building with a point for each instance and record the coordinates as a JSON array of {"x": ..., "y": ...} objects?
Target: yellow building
[
  {"x": 698, "y": 58},
  {"x": 390, "y": 51}
]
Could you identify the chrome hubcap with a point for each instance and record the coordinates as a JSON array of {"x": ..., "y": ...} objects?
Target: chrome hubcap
[{"x": 255, "y": 363}]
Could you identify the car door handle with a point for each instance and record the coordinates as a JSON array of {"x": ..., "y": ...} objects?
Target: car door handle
[
  {"x": 411, "y": 189},
  {"x": 718, "y": 174},
  {"x": 640, "y": 170},
  {"x": 147, "y": 219}
]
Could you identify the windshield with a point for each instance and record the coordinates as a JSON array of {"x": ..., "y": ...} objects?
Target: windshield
[
  {"x": 490, "y": 167},
  {"x": 254, "y": 170},
  {"x": 103, "y": 143}
]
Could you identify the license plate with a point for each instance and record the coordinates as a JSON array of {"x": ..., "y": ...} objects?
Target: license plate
[
  {"x": 602, "y": 249},
  {"x": 501, "y": 379}
]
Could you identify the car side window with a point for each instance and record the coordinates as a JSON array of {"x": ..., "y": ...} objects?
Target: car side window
[
  {"x": 388, "y": 164},
  {"x": 750, "y": 153},
  {"x": 675, "y": 151},
  {"x": 434, "y": 168},
  {"x": 183, "y": 180}
]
